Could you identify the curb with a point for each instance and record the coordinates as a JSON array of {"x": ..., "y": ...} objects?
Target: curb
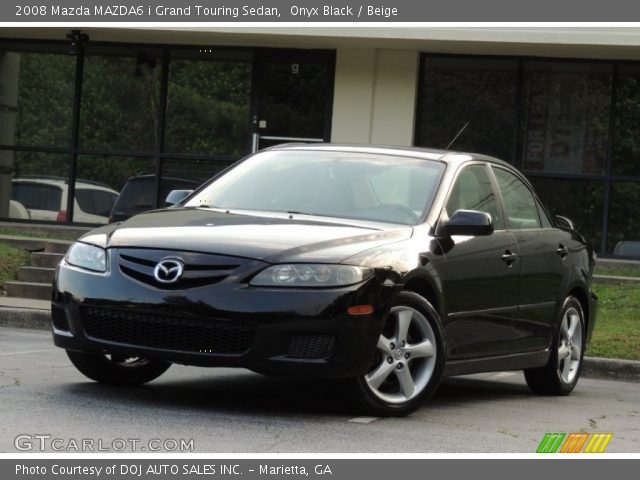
[
  {"x": 611, "y": 369},
  {"x": 25, "y": 318},
  {"x": 615, "y": 279},
  {"x": 592, "y": 367}
]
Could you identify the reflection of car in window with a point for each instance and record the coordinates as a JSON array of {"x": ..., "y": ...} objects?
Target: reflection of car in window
[
  {"x": 45, "y": 198},
  {"x": 627, "y": 248},
  {"x": 137, "y": 195},
  {"x": 17, "y": 210}
]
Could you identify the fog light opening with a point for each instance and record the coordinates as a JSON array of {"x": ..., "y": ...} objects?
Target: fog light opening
[{"x": 360, "y": 310}]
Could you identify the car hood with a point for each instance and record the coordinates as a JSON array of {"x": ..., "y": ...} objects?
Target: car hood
[{"x": 269, "y": 237}]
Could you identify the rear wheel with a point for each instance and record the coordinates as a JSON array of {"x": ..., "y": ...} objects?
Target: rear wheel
[
  {"x": 560, "y": 375},
  {"x": 117, "y": 369},
  {"x": 409, "y": 360}
]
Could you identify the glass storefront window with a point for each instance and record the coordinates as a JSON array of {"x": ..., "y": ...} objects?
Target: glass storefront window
[
  {"x": 101, "y": 179},
  {"x": 27, "y": 116},
  {"x": 565, "y": 117},
  {"x": 209, "y": 96},
  {"x": 626, "y": 143},
  {"x": 477, "y": 92},
  {"x": 120, "y": 107},
  {"x": 188, "y": 174},
  {"x": 623, "y": 236},
  {"x": 303, "y": 78},
  {"x": 33, "y": 185},
  {"x": 579, "y": 200}
]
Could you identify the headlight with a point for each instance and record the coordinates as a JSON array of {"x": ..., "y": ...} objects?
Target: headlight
[
  {"x": 87, "y": 256},
  {"x": 310, "y": 275}
]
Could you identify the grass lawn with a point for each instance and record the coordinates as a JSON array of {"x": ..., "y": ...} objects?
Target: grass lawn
[
  {"x": 10, "y": 259},
  {"x": 617, "y": 330},
  {"x": 39, "y": 234}
]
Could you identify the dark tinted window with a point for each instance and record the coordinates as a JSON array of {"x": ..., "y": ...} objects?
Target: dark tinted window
[
  {"x": 544, "y": 218},
  {"x": 139, "y": 193},
  {"x": 624, "y": 219},
  {"x": 580, "y": 200},
  {"x": 473, "y": 190},
  {"x": 566, "y": 116},
  {"x": 626, "y": 148},
  {"x": 208, "y": 102},
  {"x": 36, "y": 98},
  {"x": 37, "y": 196},
  {"x": 95, "y": 202},
  {"x": 520, "y": 206},
  {"x": 120, "y": 99},
  {"x": 480, "y": 92}
]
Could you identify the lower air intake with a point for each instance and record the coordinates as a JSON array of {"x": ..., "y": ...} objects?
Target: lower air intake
[{"x": 311, "y": 347}]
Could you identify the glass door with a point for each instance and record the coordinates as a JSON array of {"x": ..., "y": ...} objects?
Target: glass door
[{"x": 293, "y": 97}]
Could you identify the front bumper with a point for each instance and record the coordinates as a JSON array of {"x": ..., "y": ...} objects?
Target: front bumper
[{"x": 301, "y": 332}]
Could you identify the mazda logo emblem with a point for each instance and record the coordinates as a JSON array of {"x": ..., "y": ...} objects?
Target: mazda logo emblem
[{"x": 168, "y": 270}]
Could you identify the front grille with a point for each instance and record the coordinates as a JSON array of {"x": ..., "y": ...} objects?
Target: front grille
[
  {"x": 167, "y": 332},
  {"x": 59, "y": 318},
  {"x": 311, "y": 347},
  {"x": 199, "y": 268}
]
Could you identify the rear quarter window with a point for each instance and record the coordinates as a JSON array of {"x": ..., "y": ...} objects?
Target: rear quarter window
[{"x": 37, "y": 196}]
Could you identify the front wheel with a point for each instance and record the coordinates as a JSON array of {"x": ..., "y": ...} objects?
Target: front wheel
[
  {"x": 560, "y": 375},
  {"x": 409, "y": 360},
  {"x": 116, "y": 369}
]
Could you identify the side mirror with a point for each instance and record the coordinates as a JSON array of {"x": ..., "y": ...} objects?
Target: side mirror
[
  {"x": 565, "y": 222},
  {"x": 176, "y": 196},
  {"x": 468, "y": 222}
]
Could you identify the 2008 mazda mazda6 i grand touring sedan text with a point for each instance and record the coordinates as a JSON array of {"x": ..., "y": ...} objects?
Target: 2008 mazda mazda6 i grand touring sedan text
[{"x": 387, "y": 267}]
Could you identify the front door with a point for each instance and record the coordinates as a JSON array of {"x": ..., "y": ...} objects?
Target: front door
[
  {"x": 481, "y": 275},
  {"x": 293, "y": 94}
]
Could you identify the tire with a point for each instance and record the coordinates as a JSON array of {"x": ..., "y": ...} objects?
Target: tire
[
  {"x": 117, "y": 370},
  {"x": 408, "y": 366},
  {"x": 560, "y": 375}
]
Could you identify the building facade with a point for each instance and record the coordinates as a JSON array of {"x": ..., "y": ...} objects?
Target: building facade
[{"x": 82, "y": 113}]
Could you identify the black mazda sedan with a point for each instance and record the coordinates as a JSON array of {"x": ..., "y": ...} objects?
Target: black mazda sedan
[{"x": 387, "y": 267}]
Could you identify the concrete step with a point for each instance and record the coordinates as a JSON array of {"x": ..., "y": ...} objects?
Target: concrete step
[
  {"x": 36, "y": 274},
  {"x": 36, "y": 244},
  {"x": 25, "y": 313},
  {"x": 38, "y": 291},
  {"x": 45, "y": 259}
]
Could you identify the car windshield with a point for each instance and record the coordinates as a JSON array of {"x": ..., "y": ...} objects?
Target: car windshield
[{"x": 354, "y": 185}]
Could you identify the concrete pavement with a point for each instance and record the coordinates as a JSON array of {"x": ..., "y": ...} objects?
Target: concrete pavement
[{"x": 227, "y": 410}]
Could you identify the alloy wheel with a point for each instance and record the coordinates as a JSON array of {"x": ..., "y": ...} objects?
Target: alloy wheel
[
  {"x": 570, "y": 345},
  {"x": 406, "y": 357}
]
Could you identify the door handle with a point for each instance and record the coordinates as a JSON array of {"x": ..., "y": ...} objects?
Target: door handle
[
  {"x": 562, "y": 251},
  {"x": 509, "y": 257}
]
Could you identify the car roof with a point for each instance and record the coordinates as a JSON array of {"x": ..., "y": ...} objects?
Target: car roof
[{"x": 447, "y": 156}]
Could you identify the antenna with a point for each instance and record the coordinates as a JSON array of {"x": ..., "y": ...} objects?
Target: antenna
[{"x": 457, "y": 135}]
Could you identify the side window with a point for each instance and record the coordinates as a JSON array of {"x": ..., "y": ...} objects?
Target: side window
[
  {"x": 83, "y": 197},
  {"x": 472, "y": 190},
  {"x": 519, "y": 203},
  {"x": 546, "y": 222},
  {"x": 37, "y": 196}
]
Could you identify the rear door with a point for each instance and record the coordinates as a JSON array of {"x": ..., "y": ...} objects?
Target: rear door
[
  {"x": 543, "y": 251},
  {"x": 481, "y": 282}
]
